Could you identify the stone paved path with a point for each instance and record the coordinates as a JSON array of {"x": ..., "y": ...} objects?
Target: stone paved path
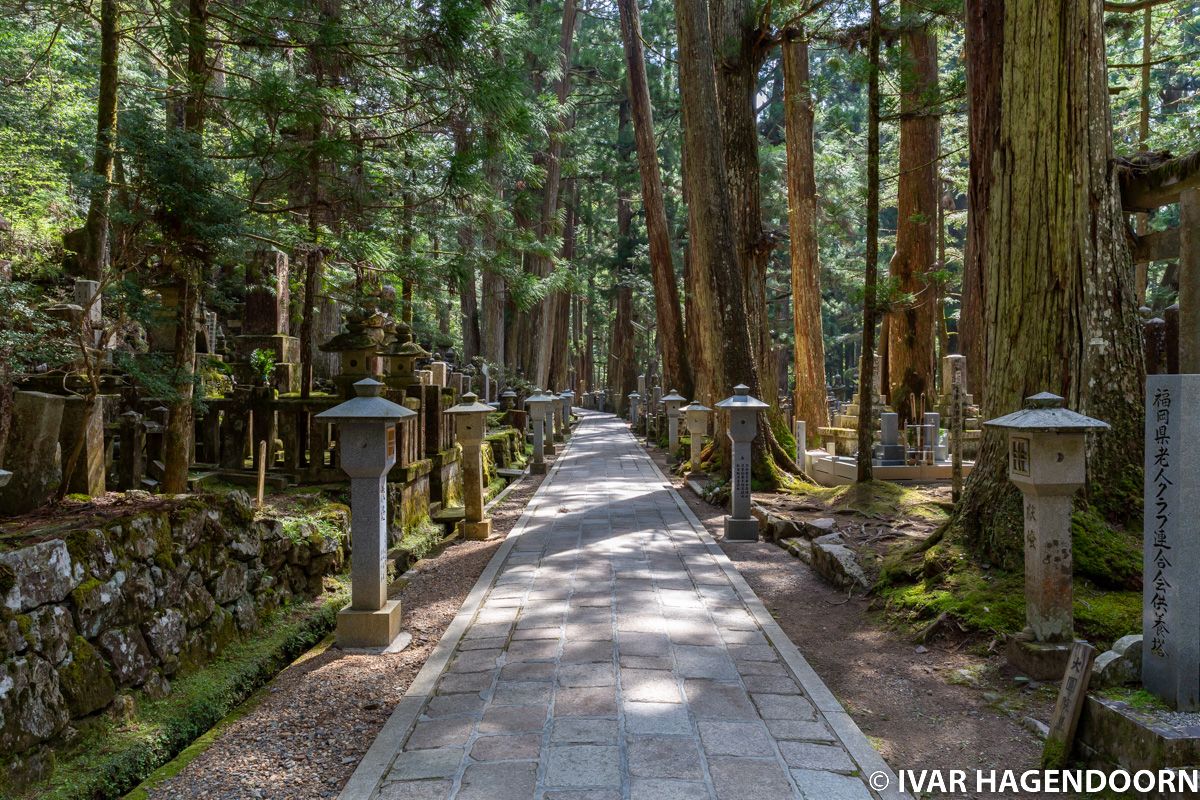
[{"x": 615, "y": 659}]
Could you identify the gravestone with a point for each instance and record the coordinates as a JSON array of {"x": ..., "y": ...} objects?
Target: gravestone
[
  {"x": 1171, "y": 549},
  {"x": 267, "y": 294},
  {"x": 33, "y": 453},
  {"x": 84, "y": 431},
  {"x": 440, "y": 371},
  {"x": 891, "y": 451}
]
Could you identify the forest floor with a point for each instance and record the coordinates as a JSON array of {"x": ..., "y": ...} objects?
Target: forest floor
[
  {"x": 301, "y": 737},
  {"x": 950, "y": 703}
]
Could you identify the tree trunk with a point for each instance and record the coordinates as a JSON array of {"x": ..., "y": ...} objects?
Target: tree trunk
[
  {"x": 622, "y": 363},
  {"x": 468, "y": 301},
  {"x": 1142, "y": 221},
  {"x": 866, "y": 371},
  {"x": 985, "y": 66},
  {"x": 734, "y": 34},
  {"x": 677, "y": 373},
  {"x": 543, "y": 320},
  {"x": 809, "y": 352},
  {"x": 95, "y": 256},
  {"x": 1060, "y": 288},
  {"x": 494, "y": 294},
  {"x": 560, "y": 309},
  {"x": 911, "y": 353},
  {"x": 178, "y": 440}
]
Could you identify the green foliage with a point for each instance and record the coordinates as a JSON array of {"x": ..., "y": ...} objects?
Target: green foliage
[
  {"x": 263, "y": 363},
  {"x": 1110, "y": 557},
  {"x": 421, "y": 539}
]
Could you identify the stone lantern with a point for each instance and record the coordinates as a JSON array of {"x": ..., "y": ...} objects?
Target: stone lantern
[
  {"x": 358, "y": 346},
  {"x": 367, "y": 450},
  {"x": 508, "y": 400},
  {"x": 1046, "y": 461},
  {"x": 538, "y": 405},
  {"x": 634, "y": 398},
  {"x": 672, "y": 402},
  {"x": 400, "y": 356},
  {"x": 696, "y": 417},
  {"x": 470, "y": 426},
  {"x": 743, "y": 410}
]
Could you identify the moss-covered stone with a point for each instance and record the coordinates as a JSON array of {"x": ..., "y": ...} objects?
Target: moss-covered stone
[{"x": 86, "y": 682}]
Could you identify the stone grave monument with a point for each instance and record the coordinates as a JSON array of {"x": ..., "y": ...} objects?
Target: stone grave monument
[{"x": 743, "y": 410}]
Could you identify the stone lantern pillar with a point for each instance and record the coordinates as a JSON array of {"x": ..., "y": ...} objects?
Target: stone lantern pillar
[
  {"x": 538, "y": 405},
  {"x": 696, "y": 416},
  {"x": 672, "y": 402},
  {"x": 601, "y": 396},
  {"x": 568, "y": 400},
  {"x": 743, "y": 410},
  {"x": 1046, "y": 461},
  {"x": 634, "y": 398},
  {"x": 470, "y": 426},
  {"x": 367, "y": 450}
]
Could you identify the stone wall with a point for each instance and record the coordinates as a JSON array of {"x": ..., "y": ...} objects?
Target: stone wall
[{"x": 90, "y": 612}]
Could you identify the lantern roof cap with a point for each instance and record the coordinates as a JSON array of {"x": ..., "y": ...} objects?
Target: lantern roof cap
[
  {"x": 367, "y": 406},
  {"x": 469, "y": 404},
  {"x": 674, "y": 396},
  {"x": 695, "y": 405},
  {"x": 1045, "y": 412},
  {"x": 741, "y": 399}
]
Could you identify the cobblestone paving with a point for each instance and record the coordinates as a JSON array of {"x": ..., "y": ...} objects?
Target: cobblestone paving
[{"x": 613, "y": 660}]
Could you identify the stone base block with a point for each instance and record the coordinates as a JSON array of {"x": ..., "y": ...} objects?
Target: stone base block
[
  {"x": 549, "y": 449},
  {"x": 1042, "y": 661},
  {"x": 477, "y": 530},
  {"x": 741, "y": 530},
  {"x": 1112, "y": 733},
  {"x": 368, "y": 628},
  {"x": 537, "y": 468}
]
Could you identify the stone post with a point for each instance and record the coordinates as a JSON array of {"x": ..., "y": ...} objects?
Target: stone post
[
  {"x": 696, "y": 416},
  {"x": 800, "y": 433},
  {"x": 132, "y": 464},
  {"x": 538, "y": 404},
  {"x": 1047, "y": 462},
  {"x": 83, "y": 430},
  {"x": 33, "y": 455},
  {"x": 470, "y": 425},
  {"x": 367, "y": 446},
  {"x": 634, "y": 397},
  {"x": 673, "y": 401},
  {"x": 1171, "y": 550},
  {"x": 1189, "y": 281},
  {"x": 743, "y": 410}
]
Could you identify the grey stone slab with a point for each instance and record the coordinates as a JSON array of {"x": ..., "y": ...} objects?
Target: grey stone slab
[
  {"x": 495, "y": 631},
  {"x": 704, "y": 662},
  {"x": 533, "y": 650},
  {"x": 522, "y": 693},
  {"x": 590, "y": 631},
  {"x": 659, "y": 789},
  {"x": 748, "y": 779},
  {"x": 528, "y": 671},
  {"x": 646, "y": 662},
  {"x": 549, "y": 632},
  {"x": 650, "y": 686},
  {"x": 513, "y": 719},
  {"x": 770, "y": 684},
  {"x": 753, "y": 652},
  {"x": 745, "y": 739},
  {"x": 416, "y": 790},
  {"x": 665, "y": 757},
  {"x": 811, "y": 755},
  {"x": 448, "y": 732},
  {"x": 702, "y": 633},
  {"x": 600, "y": 701},
  {"x": 448, "y": 705},
  {"x": 482, "y": 644},
  {"x": 587, "y": 675},
  {"x": 475, "y": 661},
  {"x": 820, "y": 785},
  {"x": 812, "y": 731},
  {"x": 507, "y": 748},
  {"x": 711, "y": 700},
  {"x": 761, "y": 668},
  {"x": 584, "y": 652},
  {"x": 583, "y": 794},
  {"x": 737, "y": 638},
  {"x": 784, "y": 706},
  {"x": 584, "y": 765},
  {"x": 465, "y": 682},
  {"x": 418, "y": 764},
  {"x": 581, "y": 730},
  {"x": 659, "y": 719},
  {"x": 633, "y": 643},
  {"x": 505, "y": 780}
]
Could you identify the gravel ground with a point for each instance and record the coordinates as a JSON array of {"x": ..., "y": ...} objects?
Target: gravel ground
[{"x": 320, "y": 716}]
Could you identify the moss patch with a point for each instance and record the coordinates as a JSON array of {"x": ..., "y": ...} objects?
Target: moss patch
[
  {"x": 884, "y": 500},
  {"x": 421, "y": 539},
  {"x": 1108, "y": 556},
  {"x": 111, "y": 757}
]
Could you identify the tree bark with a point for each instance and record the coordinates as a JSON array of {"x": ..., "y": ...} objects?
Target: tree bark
[
  {"x": 809, "y": 351},
  {"x": 985, "y": 68},
  {"x": 677, "y": 372},
  {"x": 94, "y": 259},
  {"x": 543, "y": 320},
  {"x": 866, "y": 371},
  {"x": 468, "y": 300},
  {"x": 1060, "y": 287},
  {"x": 180, "y": 427},
  {"x": 622, "y": 364},
  {"x": 911, "y": 352},
  {"x": 494, "y": 294},
  {"x": 560, "y": 309}
]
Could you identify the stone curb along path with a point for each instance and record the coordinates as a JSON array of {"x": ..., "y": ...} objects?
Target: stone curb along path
[{"x": 611, "y": 651}]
